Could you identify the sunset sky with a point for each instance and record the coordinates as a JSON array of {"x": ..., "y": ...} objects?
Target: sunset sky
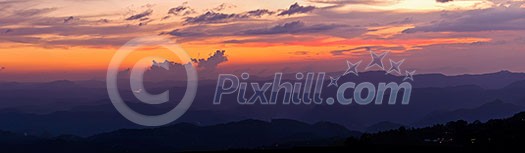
[{"x": 75, "y": 39}]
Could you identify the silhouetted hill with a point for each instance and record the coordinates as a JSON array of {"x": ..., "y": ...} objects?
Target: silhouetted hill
[
  {"x": 83, "y": 108},
  {"x": 383, "y": 126},
  {"x": 494, "y": 135},
  {"x": 242, "y": 134},
  {"x": 185, "y": 136},
  {"x": 8, "y": 138},
  {"x": 492, "y": 110},
  {"x": 488, "y": 81},
  {"x": 261, "y": 136}
]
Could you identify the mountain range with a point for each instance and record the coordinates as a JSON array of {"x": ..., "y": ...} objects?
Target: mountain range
[{"x": 83, "y": 108}]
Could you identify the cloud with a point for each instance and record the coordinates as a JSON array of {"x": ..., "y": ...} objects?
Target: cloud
[
  {"x": 300, "y": 53},
  {"x": 29, "y": 35},
  {"x": 103, "y": 21},
  {"x": 345, "y": 51},
  {"x": 183, "y": 33},
  {"x": 364, "y": 49},
  {"x": 207, "y": 68},
  {"x": 444, "y": 1},
  {"x": 140, "y": 15},
  {"x": 271, "y": 39},
  {"x": 211, "y": 63},
  {"x": 291, "y": 28},
  {"x": 213, "y": 17},
  {"x": 66, "y": 20},
  {"x": 34, "y": 12},
  {"x": 181, "y": 10},
  {"x": 369, "y": 2},
  {"x": 296, "y": 9},
  {"x": 224, "y": 6},
  {"x": 490, "y": 19},
  {"x": 259, "y": 12}
]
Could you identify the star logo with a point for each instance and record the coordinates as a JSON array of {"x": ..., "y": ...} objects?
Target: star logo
[
  {"x": 394, "y": 66},
  {"x": 377, "y": 60},
  {"x": 352, "y": 68},
  {"x": 333, "y": 81},
  {"x": 409, "y": 75}
]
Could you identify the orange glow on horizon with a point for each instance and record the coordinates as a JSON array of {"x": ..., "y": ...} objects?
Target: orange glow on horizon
[{"x": 35, "y": 59}]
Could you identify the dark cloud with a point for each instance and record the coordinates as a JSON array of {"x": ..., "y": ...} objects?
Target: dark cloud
[
  {"x": 68, "y": 19},
  {"x": 363, "y": 50},
  {"x": 224, "y": 6},
  {"x": 213, "y": 17},
  {"x": 404, "y": 21},
  {"x": 181, "y": 10},
  {"x": 346, "y": 51},
  {"x": 140, "y": 15},
  {"x": 34, "y": 12},
  {"x": 444, "y": 1},
  {"x": 300, "y": 53},
  {"x": 145, "y": 21},
  {"x": 490, "y": 19},
  {"x": 27, "y": 35},
  {"x": 269, "y": 39},
  {"x": 103, "y": 21},
  {"x": 296, "y": 9},
  {"x": 206, "y": 68},
  {"x": 259, "y": 12},
  {"x": 235, "y": 41},
  {"x": 183, "y": 33},
  {"x": 66, "y": 30},
  {"x": 216, "y": 17},
  {"x": 291, "y": 28},
  {"x": 369, "y": 2},
  {"x": 211, "y": 62},
  {"x": 165, "y": 17}
]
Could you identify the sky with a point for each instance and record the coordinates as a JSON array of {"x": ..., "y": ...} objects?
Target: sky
[{"x": 42, "y": 40}]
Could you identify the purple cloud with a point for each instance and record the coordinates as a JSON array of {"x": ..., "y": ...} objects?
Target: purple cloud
[
  {"x": 66, "y": 20},
  {"x": 181, "y": 10},
  {"x": 369, "y": 2},
  {"x": 291, "y": 28},
  {"x": 212, "y": 17},
  {"x": 259, "y": 12},
  {"x": 364, "y": 49},
  {"x": 444, "y": 1},
  {"x": 224, "y": 6},
  {"x": 296, "y": 9},
  {"x": 491, "y": 19},
  {"x": 211, "y": 62},
  {"x": 140, "y": 15},
  {"x": 34, "y": 12}
]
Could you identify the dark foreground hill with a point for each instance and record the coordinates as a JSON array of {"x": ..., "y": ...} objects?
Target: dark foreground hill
[
  {"x": 246, "y": 134},
  {"x": 283, "y": 136},
  {"x": 494, "y": 135}
]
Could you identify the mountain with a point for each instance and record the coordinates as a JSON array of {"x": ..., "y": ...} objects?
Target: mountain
[
  {"x": 492, "y": 110},
  {"x": 488, "y": 81},
  {"x": 383, "y": 126},
  {"x": 454, "y": 136},
  {"x": 185, "y": 136},
  {"x": 83, "y": 107},
  {"x": 282, "y": 135}
]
